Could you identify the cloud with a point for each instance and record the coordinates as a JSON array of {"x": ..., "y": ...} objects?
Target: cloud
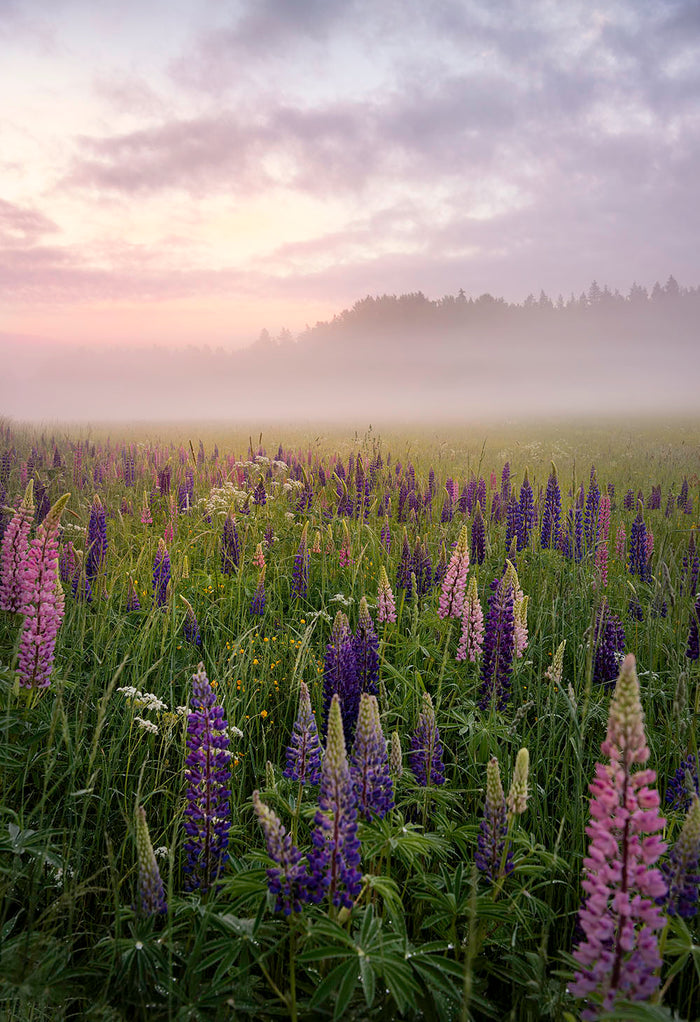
[{"x": 21, "y": 225}]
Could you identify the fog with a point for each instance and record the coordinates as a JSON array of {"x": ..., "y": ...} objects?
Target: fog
[{"x": 403, "y": 358}]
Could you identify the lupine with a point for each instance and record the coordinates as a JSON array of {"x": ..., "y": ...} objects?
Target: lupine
[
  {"x": 556, "y": 668},
  {"x": 518, "y": 791},
  {"x": 96, "y": 543},
  {"x": 207, "y": 774},
  {"x": 161, "y": 574},
  {"x": 43, "y": 603},
  {"x": 455, "y": 581},
  {"x": 386, "y": 606},
  {"x": 369, "y": 763},
  {"x": 304, "y": 750},
  {"x": 151, "y": 891},
  {"x": 692, "y": 650},
  {"x": 190, "y": 627},
  {"x": 527, "y": 516},
  {"x": 619, "y": 955},
  {"x": 551, "y": 516},
  {"x": 366, "y": 646},
  {"x": 638, "y": 563},
  {"x": 620, "y": 542},
  {"x": 683, "y": 785},
  {"x": 259, "y": 557},
  {"x": 591, "y": 515},
  {"x": 478, "y": 537},
  {"x": 230, "y": 546},
  {"x": 257, "y": 605},
  {"x": 472, "y": 637},
  {"x": 425, "y": 757},
  {"x": 15, "y": 546},
  {"x": 341, "y": 675},
  {"x": 396, "y": 755},
  {"x": 608, "y": 644},
  {"x": 132, "y": 600},
  {"x": 334, "y": 859},
  {"x": 405, "y": 566},
  {"x": 287, "y": 878},
  {"x": 300, "y": 576},
  {"x": 499, "y": 646},
  {"x": 491, "y": 857},
  {"x": 682, "y": 868},
  {"x": 67, "y": 562}
]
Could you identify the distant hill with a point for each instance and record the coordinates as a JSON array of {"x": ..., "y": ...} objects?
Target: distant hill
[{"x": 402, "y": 356}]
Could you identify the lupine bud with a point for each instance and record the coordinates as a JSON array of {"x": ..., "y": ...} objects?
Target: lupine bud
[
  {"x": 304, "y": 750},
  {"x": 151, "y": 890},
  {"x": 491, "y": 858},
  {"x": 396, "y": 755},
  {"x": 518, "y": 794},
  {"x": 682, "y": 868},
  {"x": 556, "y": 668}
]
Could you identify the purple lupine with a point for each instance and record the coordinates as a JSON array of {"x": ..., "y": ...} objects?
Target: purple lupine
[
  {"x": 15, "y": 547},
  {"x": 334, "y": 859},
  {"x": 80, "y": 587},
  {"x": 151, "y": 891},
  {"x": 43, "y": 603},
  {"x": 207, "y": 773},
  {"x": 491, "y": 857},
  {"x": 608, "y": 644},
  {"x": 405, "y": 566},
  {"x": 96, "y": 542},
  {"x": 304, "y": 749},
  {"x": 447, "y": 513},
  {"x": 161, "y": 574},
  {"x": 440, "y": 569},
  {"x": 551, "y": 516},
  {"x": 190, "y": 626},
  {"x": 230, "y": 547},
  {"x": 512, "y": 521},
  {"x": 300, "y": 575},
  {"x": 499, "y": 646},
  {"x": 619, "y": 955},
  {"x": 132, "y": 600},
  {"x": 455, "y": 582},
  {"x": 386, "y": 605},
  {"x": 692, "y": 650},
  {"x": 683, "y": 785},
  {"x": 67, "y": 562},
  {"x": 590, "y": 521},
  {"x": 340, "y": 675},
  {"x": 478, "y": 538},
  {"x": 287, "y": 878},
  {"x": 366, "y": 645},
  {"x": 257, "y": 605},
  {"x": 527, "y": 514},
  {"x": 472, "y": 638},
  {"x": 259, "y": 494},
  {"x": 681, "y": 869},
  {"x": 422, "y": 567},
  {"x": 638, "y": 561},
  {"x": 425, "y": 757},
  {"x": 369, "y": 763},
  {"x": 691, "y": 567},
  {"x": 385, "y": 535}
]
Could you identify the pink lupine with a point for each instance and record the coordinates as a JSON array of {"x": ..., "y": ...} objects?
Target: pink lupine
[
  {"x": 649, "y": 544},
  {"x": 44, "y": 605},
  {"x": 601, "y": 562},
  {"x": 386, "y": 606},
  {"x": 259, "y": 557},
  {"x": 604, "y": 519},
  {"x": 619, "y": 956},
  {"x": 455, "y": 581},
  {"x": 15, "y": 546},
  {"x": 472, "y": 637}
]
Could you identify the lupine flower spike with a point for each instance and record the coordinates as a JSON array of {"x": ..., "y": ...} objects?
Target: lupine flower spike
[
  {"x": 207, "y": 774},
  {"x": 334, "y": 859},
  {"x": 425, "y": 757},
  {"x": 161, "y": 574},
  {"x": 304, "y": 750},
  {"x": 151, "y": 891},
  {"x": 369, "y": 763},
  {"x": 491, "y": 857},
  {"x": 386, "y": 606},
  {"x": 286, "y": 879},
  {"x": 472, "y": 637},
  {"x": 44, "y": 604},
  {"x": 682, "y": 868},
  {"x": 396, "y": 755},
  {"x": 300, "y": 579},
  {"x": 517, "y": 796},
  {"x": 619, "y": 955},
  {"x": 556, "y": 668},
  {"x": 190, "y": 628},
  {"x": 455, "y": 581},
  {"x": 15, "y": 545}
]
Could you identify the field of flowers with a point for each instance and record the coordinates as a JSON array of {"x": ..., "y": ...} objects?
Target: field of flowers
[{"x": 359, "y": 727}]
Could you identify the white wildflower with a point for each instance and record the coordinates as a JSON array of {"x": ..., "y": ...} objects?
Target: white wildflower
[{"x": 146, "y": 725}]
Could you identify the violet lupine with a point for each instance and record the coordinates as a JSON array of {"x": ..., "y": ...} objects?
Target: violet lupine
[
  {"x": 304, "y": 749},
  {"x": 67, "y": 562},
  {"x": 366, "y": 646},
  {"x": 190, "y": 626},
  {"x": 681, "y": 869},
  {"x": 340, "y": 675},
  {"x": 334, "y": 859},
  {"x": 161, "y": 574},
  {"x": 405, "y": 566},
  {"x": 207, "y": 773},
  {"x": 455, "y": 582},
  {"x": 369, "y": 763},
  {"x": 692, "y": 650},
  {"x": 287, "y": 878},
  {"x": 96, "y": 542},
  {"x": 683, "y": 785},
  {"x": 132, "y": 600},
  {"x": 43, "y": 603},
  {"x": 638, "y": 563},
  {"x": 425, "y": 757},
  {"x": 551, "y": 516},
  {"x": 527, "y": 515},
  {"x": 15, "y": 547},
  {"x": 230, "y": 546},
  {"x": 257, "y": 605},
  {"x": 478, "y": 538},
  {"x": 386, "y": 606},
  {"x": 151, "y": 891},
  {"x": 619, "y": 955},
  {"x": 499, "y": 646},
  {"x": 608, "y": 644},
  {"x": 472, "y": 638},
  {"x": 591, "y": 512},
  {"x": 300, "y": 575},
  {"x": 491, "y": 858}
]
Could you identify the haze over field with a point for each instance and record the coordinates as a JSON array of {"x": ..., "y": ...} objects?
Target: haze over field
[{"x": 189, "y": 174}]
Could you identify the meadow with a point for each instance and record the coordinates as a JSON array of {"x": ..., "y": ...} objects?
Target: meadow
[{"x": 466, "y": 594}]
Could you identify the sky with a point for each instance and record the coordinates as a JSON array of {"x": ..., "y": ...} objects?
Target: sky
[{"x": 192, "y": 171}]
